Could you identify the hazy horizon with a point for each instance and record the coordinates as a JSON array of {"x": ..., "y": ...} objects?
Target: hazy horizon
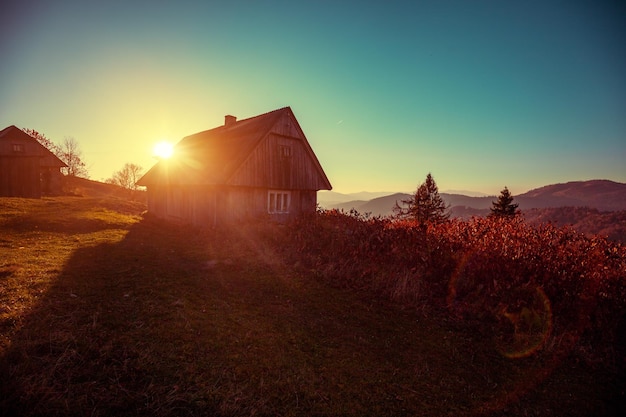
[
  {"x": 482, "y": 95},
  {"x": 469, "y": 193}
]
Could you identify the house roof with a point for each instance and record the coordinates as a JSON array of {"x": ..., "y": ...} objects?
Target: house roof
[
  {"x": 15, "y": 134},
  {"x": 213, "y": 156}
]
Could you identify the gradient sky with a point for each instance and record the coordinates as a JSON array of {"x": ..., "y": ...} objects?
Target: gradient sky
[{"x": 482, "y": 94}]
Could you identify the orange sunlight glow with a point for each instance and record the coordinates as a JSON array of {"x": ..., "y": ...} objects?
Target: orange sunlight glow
[{"x": 163, "y": 150}]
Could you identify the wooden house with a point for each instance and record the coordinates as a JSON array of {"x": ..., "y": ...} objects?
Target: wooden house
[
  {"x": 27, "y": 168},
  {"x": 258, "y": 167}
]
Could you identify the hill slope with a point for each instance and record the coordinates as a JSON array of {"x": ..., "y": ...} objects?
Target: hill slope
[
  {"x": 83, "y": 187},
  {"x": 603, "y": 195},
  {"x": 103, "y": 312}
]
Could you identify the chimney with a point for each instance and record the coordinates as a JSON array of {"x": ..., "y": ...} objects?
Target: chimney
[{"x": 229, "y": 120}]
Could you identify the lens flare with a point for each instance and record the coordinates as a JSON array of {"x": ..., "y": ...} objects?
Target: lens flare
[
  {"x": 530, "y": 322},
  {"x": 524, "y": 313}
]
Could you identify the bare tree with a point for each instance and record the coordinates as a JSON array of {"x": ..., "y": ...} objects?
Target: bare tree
[
  {"x": 71, "y": 154},
  {"x": 42, "y": 139},
  {"x": 127, "y": 177}
]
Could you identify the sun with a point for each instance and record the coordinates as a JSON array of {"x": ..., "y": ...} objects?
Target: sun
[{"x": 163, "y": 150}]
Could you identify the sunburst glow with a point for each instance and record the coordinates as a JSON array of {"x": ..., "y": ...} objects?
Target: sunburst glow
[{"x": 163, "y": 150}]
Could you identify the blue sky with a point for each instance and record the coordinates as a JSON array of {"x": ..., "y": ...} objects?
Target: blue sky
[{"x": 482, "y": 94}]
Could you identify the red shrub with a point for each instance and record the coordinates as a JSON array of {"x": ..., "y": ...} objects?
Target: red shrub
[{"x": 490, "y": 271}]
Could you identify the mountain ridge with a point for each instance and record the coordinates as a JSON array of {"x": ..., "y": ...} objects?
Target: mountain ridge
[{"x": 603, "y": 195}]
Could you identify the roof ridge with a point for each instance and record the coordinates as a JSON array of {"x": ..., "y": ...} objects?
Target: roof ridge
[
  {"x": 214, "y": 156},
  {"x": 9, "y": 128},
  {"x": 265, "y": 114},
  {"x": 221, "y": 127}
]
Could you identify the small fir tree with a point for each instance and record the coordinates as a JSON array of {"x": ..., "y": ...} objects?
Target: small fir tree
[
  {"x": 425, "y": 206},
  {"x": 504, "y": 207}
]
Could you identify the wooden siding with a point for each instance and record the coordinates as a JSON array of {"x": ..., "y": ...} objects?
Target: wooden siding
[
  {"x": 27, "y": 168},
  {"x": 237, "y": 204},
  {"x": 268, "y": 166},
  {"x": 20, "y": 176},
  {"x": 209, "y": 206},
  {"x": 19, "y": 170},
  {"x": 186, "y": 204},
  {"x": 308, "y": 201},
  {"x": 28, "y": 147}
]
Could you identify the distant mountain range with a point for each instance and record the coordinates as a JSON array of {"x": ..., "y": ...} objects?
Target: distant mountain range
[{"x": 603, "y": 195}]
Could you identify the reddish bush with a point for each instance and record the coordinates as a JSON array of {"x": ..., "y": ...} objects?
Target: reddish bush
[{"x": 538, "y": 283}]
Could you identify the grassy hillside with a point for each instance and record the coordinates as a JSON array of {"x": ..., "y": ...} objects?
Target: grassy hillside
[
  {"x": 106, "y": 312},
  {"x": 83, "y": 187}
]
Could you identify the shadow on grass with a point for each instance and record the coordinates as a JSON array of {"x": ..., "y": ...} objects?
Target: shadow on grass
[
  {"x": 171, "y": 321},
  {"x": 91, "y": 345}
]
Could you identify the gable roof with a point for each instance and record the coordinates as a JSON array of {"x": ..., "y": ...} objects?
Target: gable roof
[
  {"x": 47, "y": 158},
  {"x": 213, "y": 156}
]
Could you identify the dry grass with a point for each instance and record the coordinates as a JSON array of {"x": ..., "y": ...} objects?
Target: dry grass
[{"x": 105, "y": 313}]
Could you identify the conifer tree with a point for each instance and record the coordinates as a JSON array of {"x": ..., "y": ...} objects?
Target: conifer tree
[
  {"x": 426, "y": 205},
  {"x": 504, "y": 206}
]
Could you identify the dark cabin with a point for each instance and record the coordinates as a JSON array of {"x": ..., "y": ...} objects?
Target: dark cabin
[
  {"x": 258, "y": 167},
  {"x": 27, "y": 168}
]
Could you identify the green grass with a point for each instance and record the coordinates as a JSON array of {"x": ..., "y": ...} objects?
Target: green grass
[{"x": 104, "y": 312}]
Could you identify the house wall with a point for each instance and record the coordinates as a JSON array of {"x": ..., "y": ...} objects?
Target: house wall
[
  {"x": 30, "y": 147},
  {"x": 282, "y": 161},
  {"x": 20, "y": 176},
  {"x": 269, "y": 166},
  {"x": 185, "y": 204},
  {"x": 30, "y": 171},
  {"x": 244, "y": 203},
  {"x": 307, "y": 201},
  {"x": 210, "y": 206}
]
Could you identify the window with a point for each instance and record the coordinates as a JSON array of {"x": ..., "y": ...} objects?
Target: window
[
  {"x": 278, "y": 201},
  {"x": 18, "y": 147},
  {"x": 284, "y": 151}
]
